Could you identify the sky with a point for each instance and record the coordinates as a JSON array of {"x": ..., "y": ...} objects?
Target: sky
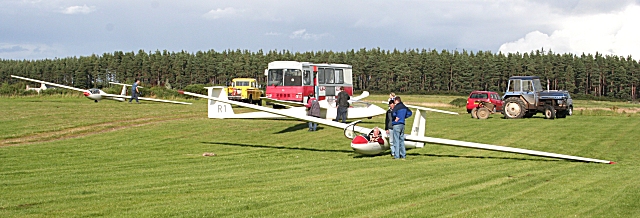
[{"x": 39, "y": 29}]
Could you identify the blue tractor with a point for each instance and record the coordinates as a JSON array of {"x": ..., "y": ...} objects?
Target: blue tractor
[{"x": 525, "y": 97}]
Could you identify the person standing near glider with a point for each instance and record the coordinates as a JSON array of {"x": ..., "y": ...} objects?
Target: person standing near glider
[
  {"x": 134, "y": 91},
  {"x": 388, "y": 127},
  {"x": 314, "y": 110},
  {"x": 400, "y": 113},
  {"x": 343, "y": 105}
]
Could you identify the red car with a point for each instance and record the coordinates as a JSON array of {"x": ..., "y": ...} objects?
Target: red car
[{"x": 486, "y": 96}]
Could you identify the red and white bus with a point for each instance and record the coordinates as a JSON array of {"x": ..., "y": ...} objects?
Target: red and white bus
[{"x": 294, "y": 81}]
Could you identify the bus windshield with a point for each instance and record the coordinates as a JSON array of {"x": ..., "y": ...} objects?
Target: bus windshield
[
  {"x": 275, "y": 77},
  {"x": 292, "y": 77}
]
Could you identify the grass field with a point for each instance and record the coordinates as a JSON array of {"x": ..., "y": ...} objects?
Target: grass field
[{"x": 70, "y": 157}]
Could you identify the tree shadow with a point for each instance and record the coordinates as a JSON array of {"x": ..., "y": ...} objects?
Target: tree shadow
[{"x": 278, "y": 147}]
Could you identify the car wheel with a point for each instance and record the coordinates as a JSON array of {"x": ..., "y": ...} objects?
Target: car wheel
[
  {"x": 483, "y": 113},
  {"x": 513, "y": 108},
  {"x": 473, "y": 113},
  {"x": 549, "y": 112}
]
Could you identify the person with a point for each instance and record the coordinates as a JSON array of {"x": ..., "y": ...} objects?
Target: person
[
  {"x": 388, "y": 127},
  {"x": 392, "y": 97},
  {"x": 374, "y": 135},
  {"x": 400, "y": 113},
  {"x": 314, "y": 111},
  {"x": 134, "y": 91},
  {"x": 343, "y": 105}
]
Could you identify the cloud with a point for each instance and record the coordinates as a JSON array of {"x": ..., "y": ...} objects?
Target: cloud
[
  {"x": 272, "y": 34},
  {"x": 613, "y": 33},
  {"x": 220, "y": 13},
  {"x": 302, "y": 34},
  {"x": 27, "y": 51},
  {"x": 79, "y": 9},
  {"x": 15, "y": 48}
]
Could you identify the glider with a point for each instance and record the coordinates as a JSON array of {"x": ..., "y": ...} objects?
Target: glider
[
  {"x": 97, "y": 94},
  {"x": 414, "y": 140},
  {"x": 221, "y": 110}
]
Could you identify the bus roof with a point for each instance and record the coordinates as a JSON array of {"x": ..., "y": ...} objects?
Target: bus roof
[{"x": 299, "y": 65}]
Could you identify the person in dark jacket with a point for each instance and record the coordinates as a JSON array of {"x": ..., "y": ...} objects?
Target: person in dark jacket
[
  {"x": 400, "y": 113},
  {"x": 343, "y": 105},
  {"x": 314, "y": 110},
  {"x": 388, "y": 127},
  {"x": 134, "y": 91}
]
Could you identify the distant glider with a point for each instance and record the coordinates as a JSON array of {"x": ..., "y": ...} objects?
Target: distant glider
[
  {"x": 97, "y": 94},
  {"x": 415, "y": 140}
]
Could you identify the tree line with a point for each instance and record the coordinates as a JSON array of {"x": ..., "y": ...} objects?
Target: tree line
[{"x": 413, "y": 71}]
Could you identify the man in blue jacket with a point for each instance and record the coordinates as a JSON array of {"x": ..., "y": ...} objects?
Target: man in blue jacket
[{"x": 400, "y": 113}]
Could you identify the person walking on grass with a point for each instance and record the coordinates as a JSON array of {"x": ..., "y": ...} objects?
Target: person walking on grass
[
  {"x": 134, "y": 91},
  {"x": 314, "y": 111},
  {"x": 400, "y": 113},
  {"x": 343, "y": 105}
]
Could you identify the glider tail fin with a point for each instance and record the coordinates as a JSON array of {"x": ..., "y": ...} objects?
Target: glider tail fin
[
  {"x": 419, "y": 125},
  {"x": 218, "y": 109}
]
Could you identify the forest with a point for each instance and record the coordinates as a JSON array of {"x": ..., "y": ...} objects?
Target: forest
[{"x": 413, "y": 71}]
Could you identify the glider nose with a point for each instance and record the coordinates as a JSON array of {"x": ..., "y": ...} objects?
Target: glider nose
[{"x": 86, "y": 94}]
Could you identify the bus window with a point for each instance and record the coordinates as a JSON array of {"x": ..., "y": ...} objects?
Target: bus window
[
  {"x": 339, "y": 76},
  {"x": 307, "y": 78},
  {"x": 321, "y": 76},
  {"x": 292, "y": 77},
  {"x": 329, "y": 76},
  {"x": 275, "y": 77}
]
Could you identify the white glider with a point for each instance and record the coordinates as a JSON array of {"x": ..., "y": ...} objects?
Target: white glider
[
  {"x": 415, "y": 140},
  {"x": 221, "y": 110},
  {"x": 97, "y": 94}
]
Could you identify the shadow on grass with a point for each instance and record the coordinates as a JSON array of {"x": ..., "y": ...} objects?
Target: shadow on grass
[
  {"x": 297, "y": 127},
  {"x": 277, "y": 147},
  {"x": 384, "y": 154},
  {"x": 481, "y": 157}
]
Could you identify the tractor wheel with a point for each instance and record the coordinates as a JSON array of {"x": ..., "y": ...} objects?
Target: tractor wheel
[
  {"x": 473, "y": 113},
  {"x": 260, "y": 102},
  {"x": 513, "y": 108},
  {"x": 483, "y": 113},
  {"x": 549, "y": 112}
]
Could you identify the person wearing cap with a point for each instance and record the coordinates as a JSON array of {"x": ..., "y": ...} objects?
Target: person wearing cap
[{"x": 388, "y": 127}]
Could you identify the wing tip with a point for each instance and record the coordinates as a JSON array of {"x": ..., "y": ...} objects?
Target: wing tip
[{"x": 611, "y": 162}]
